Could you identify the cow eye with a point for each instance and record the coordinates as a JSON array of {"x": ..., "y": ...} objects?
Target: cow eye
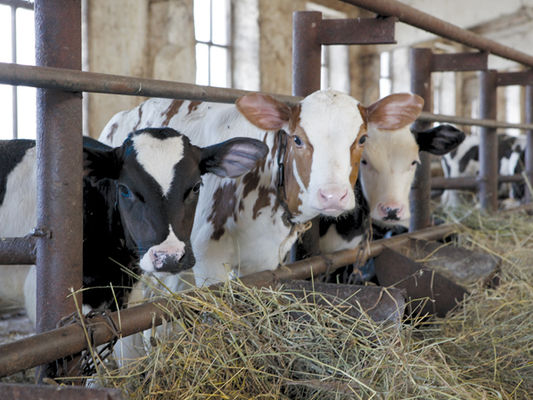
[
  {"x": 124, "y": 191},
  {"x": 297, "y": 141},
  {"x": 196, "y": 188},
  {"x": 363, "y": 139},
  {"x": 363, "y": 161}
]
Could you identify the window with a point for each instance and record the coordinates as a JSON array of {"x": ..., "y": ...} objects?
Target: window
[
  {"x": 17, "y": 104},
  {"x": 213, "y": 49},
  {"x": 385, "y": 74}
]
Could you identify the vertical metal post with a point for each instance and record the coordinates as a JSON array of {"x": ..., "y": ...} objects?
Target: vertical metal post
[
  {"x": 14, "y": 60},
  {"x": 529, "y": 141},
  {"x": 306, "y": 52},
  {"x": 420, "y": 66},
  {"x": 59, "y": 168},
  {"x": 488, "y": 147}
]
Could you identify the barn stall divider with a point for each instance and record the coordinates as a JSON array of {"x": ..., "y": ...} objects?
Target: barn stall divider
[{"x": 56, "y": 244}]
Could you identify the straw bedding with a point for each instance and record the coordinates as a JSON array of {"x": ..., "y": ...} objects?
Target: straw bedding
[{"x": 242, "y": 343}]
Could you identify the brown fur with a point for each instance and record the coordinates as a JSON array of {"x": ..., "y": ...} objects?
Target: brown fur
[
  {"x": 112, "y": 131},
  {"x": 394, "y": 111},
  {"x": 356, "y": 152},
  {"x": 172, "y": 110},
  {"x": 193, "y": 105},
  {"x": 224, "y": 202}
]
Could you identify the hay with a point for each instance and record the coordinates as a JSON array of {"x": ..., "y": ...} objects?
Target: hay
[{"x": 242, "y": 343}]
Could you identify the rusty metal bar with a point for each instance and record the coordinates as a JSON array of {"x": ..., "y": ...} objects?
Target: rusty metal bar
[
  {"x": 429, "y": 23},
  {"x": 514, "y": 78},
  {"x": 529, "y": 141},
  {"x": 80, "y": 81},
  {"x": 49, "y": 346},
  {"x": 42, "y": 392},
  {"x": 357, "y": 31},
  {"x": 420, "y": 63},
  {"x": 59, "y": 168},
  {"x": 488, "y": 146},
  {"x": 490, "y": 123},
  {"x": 459, "y": 62},
  {"x": 306, "y": 52},
  {"x": 20, "y": 250},
  {"x": 468, "y": 182}
]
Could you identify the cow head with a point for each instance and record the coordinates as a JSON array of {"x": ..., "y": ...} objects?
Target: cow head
[
  {"x": 322, "y": 142},
  {"x": 157, "y": 175},
  {"x": 390, "y": 157}
]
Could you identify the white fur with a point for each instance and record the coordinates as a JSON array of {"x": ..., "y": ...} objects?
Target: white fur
[
  {"x": 331, "y": 121},
  {"x": 389, "y": 172},
  {"x": 17, "y": 218},
  {"x": 156, "y": 161}
]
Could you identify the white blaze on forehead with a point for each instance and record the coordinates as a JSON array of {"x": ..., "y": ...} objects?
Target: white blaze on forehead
[{"x": 158, "y": 157}]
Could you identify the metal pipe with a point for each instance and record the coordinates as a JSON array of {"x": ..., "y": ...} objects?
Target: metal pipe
[
  {"x": 429, "y": 23},
  {"x": 490, "y": 123},
  {"x": 306, "y": 63},
  {"x": 420, "y": 63},
  {"x": 488, "y": 146},
  {"x": 468, "y": 183},
  {"x": 43, "y": 392},
  {"x": 59, "y": 168},
  {"x": 49, "y": 346},
  {"x": 80, "y": 81},
  {"x": 529, "y": 141},
  {"x": 20, "y": 250},
  {"x": 18, "y": 4}
]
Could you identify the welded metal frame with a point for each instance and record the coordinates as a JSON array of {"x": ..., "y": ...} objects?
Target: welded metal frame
[{"x": 60, "y": 143}]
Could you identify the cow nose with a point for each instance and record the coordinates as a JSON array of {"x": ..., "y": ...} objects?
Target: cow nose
[
  {"x": 390, "y": 211},
  {"x": 333, "y": 197},
  {"x": 160, "y": 258}
]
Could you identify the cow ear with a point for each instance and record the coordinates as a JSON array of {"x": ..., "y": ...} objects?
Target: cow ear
[
  {"x": 439, "y": 140},
  {"x": 264, "y": 111},
  {"x": 233, "y": 157},
  {"x": 394, "y": 111},
  {"x": 101, "y": 161}
]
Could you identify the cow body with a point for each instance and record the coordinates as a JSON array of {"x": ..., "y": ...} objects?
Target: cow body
[
  {"x": 138, "y": 199},
  {"x": 464, "y": 162},
  {"x": 250, "y": 224}
]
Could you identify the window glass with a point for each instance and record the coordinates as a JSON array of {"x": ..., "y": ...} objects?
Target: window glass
[
  {"x": 218, "y": 69},
  {"x": 202, "y": 64},
  {"x": 220, "y": 22},
  {"x": 202, "y": 20}
]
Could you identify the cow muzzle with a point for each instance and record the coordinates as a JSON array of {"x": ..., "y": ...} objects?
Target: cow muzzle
[
  {"x": 391, "y": 211},
  {"x": 333, "y": 199},
  {"x": 171, "y": 256}
]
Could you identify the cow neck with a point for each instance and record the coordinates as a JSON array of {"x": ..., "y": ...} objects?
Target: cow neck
[{"x": 280, "y": 186}]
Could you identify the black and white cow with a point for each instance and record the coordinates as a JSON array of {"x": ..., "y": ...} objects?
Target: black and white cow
[
  {"x": 139, "y": 202},
  {"x": 388, "y": 166},
  {"x": 464, "y": 162}
]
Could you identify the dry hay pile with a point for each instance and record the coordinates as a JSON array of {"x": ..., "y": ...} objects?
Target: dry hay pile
[{"x": 243, "y": 343}]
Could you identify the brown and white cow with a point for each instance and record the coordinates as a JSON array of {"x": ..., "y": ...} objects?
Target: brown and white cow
[
  {"x": 249, "y": 224},
  {"x": 388, "y": 166}
]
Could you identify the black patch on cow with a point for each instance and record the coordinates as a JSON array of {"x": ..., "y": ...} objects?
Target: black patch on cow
[
  {"x": 471, "y": 154},
  {"x": 440, "y": 139},
  {"x": 11, "y": 154}
]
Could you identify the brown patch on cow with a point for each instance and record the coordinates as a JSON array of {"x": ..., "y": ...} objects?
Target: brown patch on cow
[
  {"x": 302, "y": 157},
  {"x": 172, "y": 110},
  {"x": 250, "y": 182},
  {"x": 193, "y": 105},
  {"x": 111, "y": 133},
  {"x": 356, "y": 152},
  {"x": 294, "y": 121},
  {"x": 224, "y": 202},
  {"x": 140, "y": 117},
  {"x": 394, "y": 111},
  {"x": 263, "y": 200}
]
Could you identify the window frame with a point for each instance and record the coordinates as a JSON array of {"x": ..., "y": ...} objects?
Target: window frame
[
  {"x": 14, "y": 5},
  {"x": 228, "y": 48}
]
